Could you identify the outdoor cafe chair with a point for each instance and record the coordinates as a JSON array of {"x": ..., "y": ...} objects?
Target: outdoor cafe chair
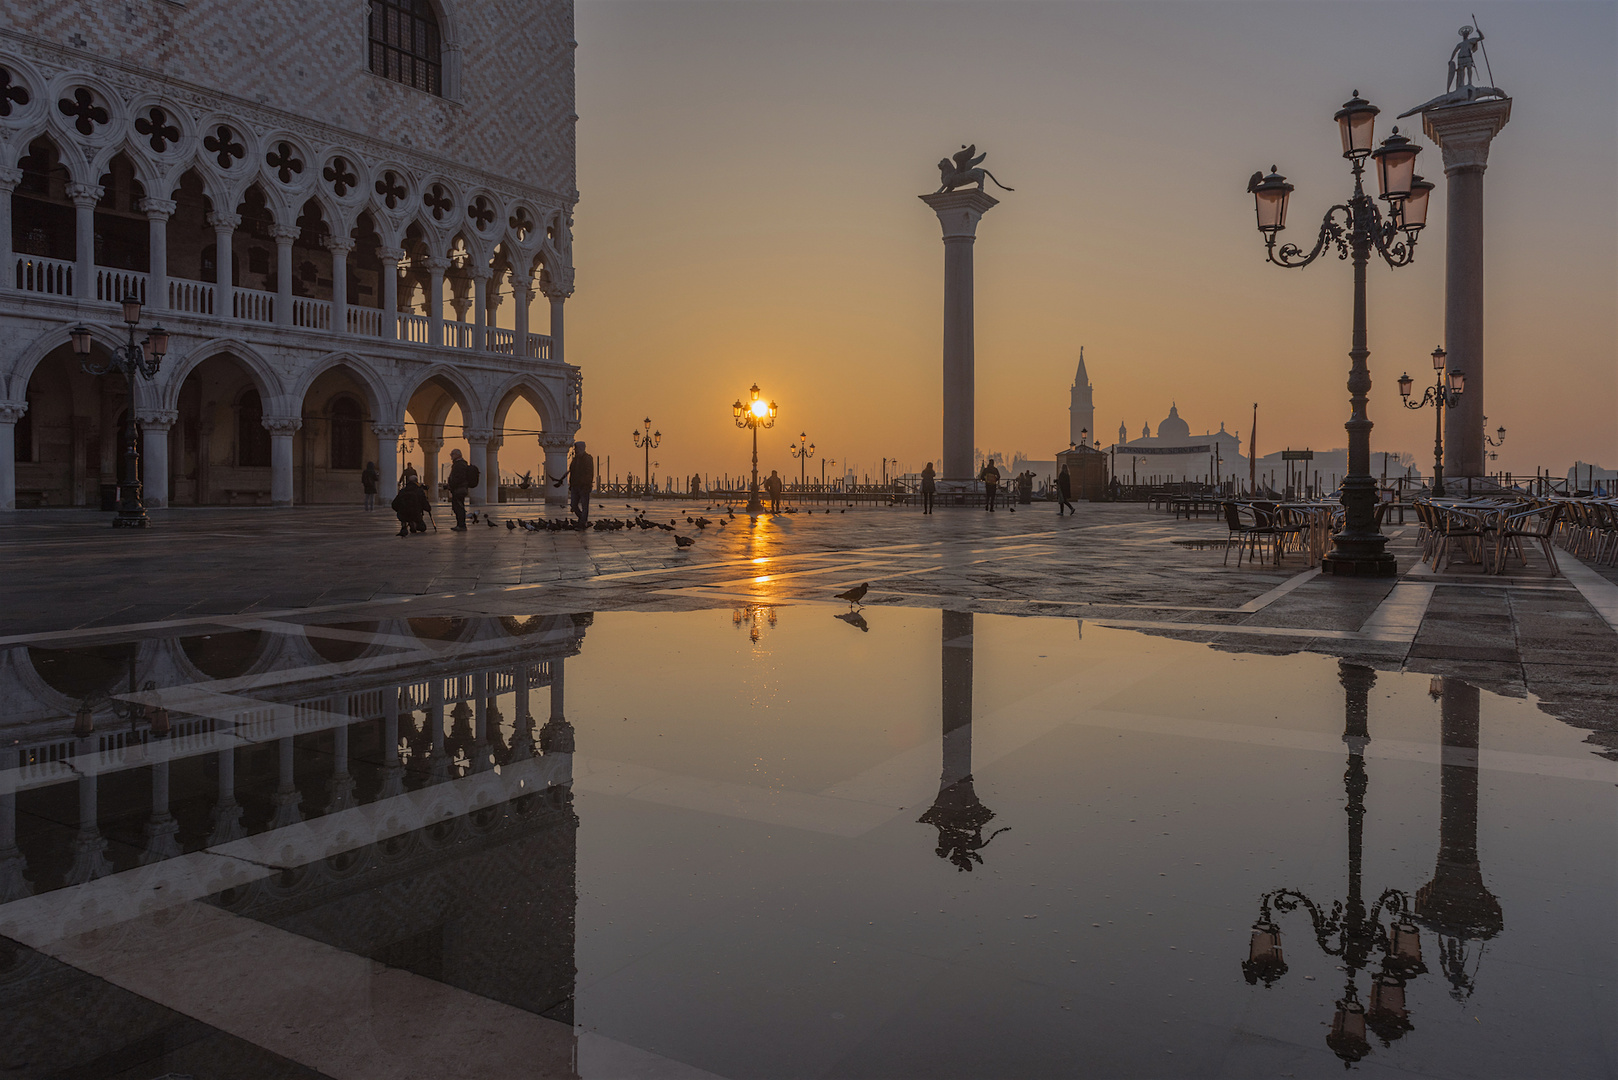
[
  {"x": 1464, "y": 526},
  {"x": 1536, "y": 524},
  {"x": 1248, "y": 536}
]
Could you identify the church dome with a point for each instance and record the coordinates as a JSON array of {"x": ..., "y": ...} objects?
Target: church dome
[{"x": 1173, "y": 427}]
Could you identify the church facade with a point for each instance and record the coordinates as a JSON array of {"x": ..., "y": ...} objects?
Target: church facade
[
  {"x": 347, "y": 239},
  {"x": 1174, "y": 454}
]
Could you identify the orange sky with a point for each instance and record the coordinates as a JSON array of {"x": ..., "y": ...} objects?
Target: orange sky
[{"x": 749, "y": 174}]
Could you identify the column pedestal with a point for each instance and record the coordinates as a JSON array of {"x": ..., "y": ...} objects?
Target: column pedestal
[
  {"x": 959, "y": 213},
  {"x": 1463, "y": 134}
]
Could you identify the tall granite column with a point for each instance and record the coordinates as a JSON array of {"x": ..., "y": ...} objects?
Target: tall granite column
[
  {"x": 958, "y": 213},
  {"x": 1463, "y": 133}
]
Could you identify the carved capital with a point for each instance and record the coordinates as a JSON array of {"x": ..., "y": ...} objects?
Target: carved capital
[
  {"x": 285, "y": 234},
  {"x": 1463, "y": 132},
  {"x": 960, "y": 211},
  {"x": 224, "y": 221},
  {"x": 436, "y": 263},
  {"x": 340, "y": 245},
  {"x": 282, "y": 425},
  {"x": 557, "y": 284},
  {"x": 10, "y": 177},
  {"x": 387, "y": 431},
  {"x": 476, "y": 435},
  {"x": 158, "y": 209},
  {"x": 479, "y": 271},
  {"x": 393, "y": 255},
  {"x": 11, "y": 411},
  {"x": 157, "y": 418},
  {"x": 522, "y": 285},
  {"x": 556, "y": 442},
  {"x": 85, "y": 194}
]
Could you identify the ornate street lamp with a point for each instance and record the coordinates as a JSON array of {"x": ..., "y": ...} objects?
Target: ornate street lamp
[
  {"x": 144, "y": 358},
  {"x": 648, "y": 442},
  {"x": 1355, "y": 228},
  {"x": 1443, "y": 394},
  {"x": 803, "y": 450},
  {"x": 756, "y": 414},
  {"x": 1499, "y": 438}
]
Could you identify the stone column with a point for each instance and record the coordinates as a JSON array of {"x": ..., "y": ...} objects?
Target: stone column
[
  {"x": 284, "y": 235},
  {"x": 154, "y": 429},
  {"x": 340, "y": 788},
  {"x": 392, "y": 771},
  {"x": 557, "y": 290},
  {"x": 429, "y": 466},
  {"x": 390, "y": 290},
  {"x": 522, "y": 294},
  {"x": 227, "y": 813},
  {"x": 437, "y": 759},
  {"x": 10, "y": 177},
  {"x": 85, "y": 197},
  {"x": 161, "y": 826},
  {"x": 10, "y": 413},
  {"x": 286, "y": 797},
  {"x": 1463, "y": 133},
  {"x": 556, "y": 448},
  {"x": 13, "y": 885},
  {"x": 224, "y": 229},
  {"x": 436, "y": 265},
  {"x": 477, "y": 442},
  {"x": 89, "y": 846},
  {"x": 281, "y": 429},
  {"x": 491, "y": 471},
  {"x": 481, "y": 707},
  {"x": 339, "y": 246},
  {"x": 480, "y": 307},
  {"x": 158, "y": 212},
  {"x": 958, "y": 213},
  {"x": 387, "y": 458},
  {"x": 957, "y": 813}
]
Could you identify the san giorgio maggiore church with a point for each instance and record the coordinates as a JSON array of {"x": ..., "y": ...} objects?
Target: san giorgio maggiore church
[
  {"x": 1172, "y": 453},
  {"x": 357, "y": 233}
]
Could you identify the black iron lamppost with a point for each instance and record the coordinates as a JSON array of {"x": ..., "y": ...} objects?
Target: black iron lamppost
[
  {"x": 1498, "y": 440},
  {"x": 1356, "y": 228},
  {"x": 755, "y": 414},
  {"x": 803, "y": 450},
  {"x": 648, "y": 441},
  {"x": 144, "y": 357},
  {"x": 1443, "y": 394}
]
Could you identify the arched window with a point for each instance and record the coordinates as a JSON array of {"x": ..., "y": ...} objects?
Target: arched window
[
  {"x": 252, "y": 439},
  {"x": 347, "y": 444},
  {"x": 406, "y": 45}
]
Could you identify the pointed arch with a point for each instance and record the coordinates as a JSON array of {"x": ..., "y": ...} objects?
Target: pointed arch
[
  {"x": 268, "y": 383},
  {"x": 383, "y": 408},
  {"x": 532, "y": 390}
]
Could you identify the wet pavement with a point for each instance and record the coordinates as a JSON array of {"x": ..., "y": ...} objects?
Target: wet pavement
[
  {"x": 1056, "y": 801},
  {"x": 768, "y": 841}
]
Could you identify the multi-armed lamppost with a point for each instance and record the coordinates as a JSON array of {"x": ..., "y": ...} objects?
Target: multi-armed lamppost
[
  {"x": 648, "y": 441},
  {"x": 1443, "y": 394},
  {"x": 1499, "y": 439},
  {"x": 803, "y": 450},
  {"x": 144, "y": 357},
  {"x": 757, "y": 413},
  {"x": 1360, "y": 548}
]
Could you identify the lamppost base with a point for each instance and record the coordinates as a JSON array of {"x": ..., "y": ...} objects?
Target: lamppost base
[
  {"x": 755, "y": 505},
  {"x": 132, "y": 519},
  {"x": 1360, "y": 557}
]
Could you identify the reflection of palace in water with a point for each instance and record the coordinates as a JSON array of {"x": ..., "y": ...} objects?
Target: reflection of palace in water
[
  {"x": 1455, "y": 906},
  {"x": 382, "y": 788}
]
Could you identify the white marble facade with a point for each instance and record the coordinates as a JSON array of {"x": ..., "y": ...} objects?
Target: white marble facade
[{"x": 341, "y": 258}]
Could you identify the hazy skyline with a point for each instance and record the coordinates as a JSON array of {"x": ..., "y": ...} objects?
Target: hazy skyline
[{"x": 749, "y": 174}]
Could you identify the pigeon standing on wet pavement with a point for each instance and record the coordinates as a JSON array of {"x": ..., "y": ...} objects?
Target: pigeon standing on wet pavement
[
  {"x": 855, "y": 595},
  {"x": 682, "y": 542}
]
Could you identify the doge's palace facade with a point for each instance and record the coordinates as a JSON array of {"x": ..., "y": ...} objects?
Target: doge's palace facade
[{"x": 342, "y": 213}]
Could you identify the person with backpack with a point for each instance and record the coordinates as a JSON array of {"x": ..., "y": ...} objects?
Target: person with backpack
[
  {"x": 991, "y": 484},
  {"x": 409, "y": 506},
  {"x": 463, "y": 477},
  {"x": 581, "y": 479}
]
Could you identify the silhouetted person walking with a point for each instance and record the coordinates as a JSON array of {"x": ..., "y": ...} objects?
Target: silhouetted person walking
[
  {"x": 369, "y": 479},
  {"x": 773, "y": 485},
  {"x": 1064, "y": 491},
  {"x": 991, "y": 484},
  {"x": 409, "y": 506},
  {"x": 461, "y": 478},
  {"x": 581, "y": 478},
  {"x": 410, "y": 476},
  {"x": 928, "y": 487}
]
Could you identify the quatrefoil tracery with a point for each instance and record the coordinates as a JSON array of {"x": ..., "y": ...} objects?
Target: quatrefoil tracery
[
  {"x": 224, "y": 146},
  {"x": 437, "y": 200},
  {"x": 155, "y": 125},
  {"x": 340, "y": 175},
  {"x": 480, "y": 213},
  {"x": 284, "y": 161},
  {"x": 391, "y": 189},
  {"x": 521, "y": 224},
  {"x": 82, "y": 105},
  {"x": 10, "y": 93}
]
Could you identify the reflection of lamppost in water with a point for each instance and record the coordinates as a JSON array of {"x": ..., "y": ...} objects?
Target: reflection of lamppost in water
[
  {"x": 957, "y": 813},
  {"x": 648, "y": 442},
  {"x": 1359, "y": 933},
  {"x": 748, "y": 615},
  {"x": 1456, "y": 905},
  {"x": 755, "y": 414}
]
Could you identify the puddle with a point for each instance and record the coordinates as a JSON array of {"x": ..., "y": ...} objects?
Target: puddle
[{"x": 788, "y": 841}]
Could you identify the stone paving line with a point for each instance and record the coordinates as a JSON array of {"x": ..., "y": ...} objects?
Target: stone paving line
[{"x": 69, "y": 577}]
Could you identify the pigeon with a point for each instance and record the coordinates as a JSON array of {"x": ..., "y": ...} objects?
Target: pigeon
[
  {"x": 682, "y": 542},
  {"x": 473, "y": 517},
  {"x": 512, "y": 525},
  {"x": 490, "y": 522},
  {"x": 855, "y": 595},
  {"x": 854, "y": 618}
]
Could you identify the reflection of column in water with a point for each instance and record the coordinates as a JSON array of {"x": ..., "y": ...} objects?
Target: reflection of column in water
[
  {"x": 227, "y": 812},
  {"x": 482, "y": 706},
  {"x": 437, "y": 759},
  {"x": 522, "y": 737},
  {"x": 13, "y": 885},
  {"x": 1360, "y": 937},
  {"x": 161, "y": 826},
  {"x": 340, "y": 788},
  {"x": 287, "y": 798},
  {"x": 392, "y": 771},
  {"x": 556, "y": 737},
  {"x": 957, "y": 813},
  {"x": 1456, "y": 903},
  {"x": 89, "y": 846}
]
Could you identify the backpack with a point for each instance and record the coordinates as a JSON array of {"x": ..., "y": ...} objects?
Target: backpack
[{"x": 475, "y": 475}]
